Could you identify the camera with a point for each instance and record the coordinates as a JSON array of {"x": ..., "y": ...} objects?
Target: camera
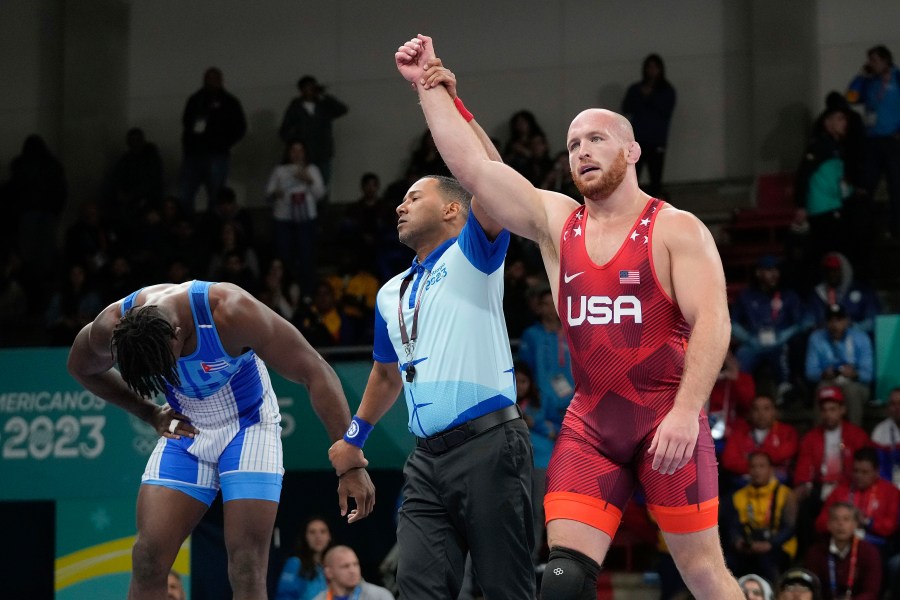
[{"x": 753, "y": 534}]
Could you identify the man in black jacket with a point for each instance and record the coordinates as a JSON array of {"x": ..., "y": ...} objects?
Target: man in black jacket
[
  {"x": 213, "y": 122},
  {"x": 308, "y": 119}
]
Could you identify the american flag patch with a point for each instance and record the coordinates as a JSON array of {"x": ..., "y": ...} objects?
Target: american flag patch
[{"x": 629, "y": 277}]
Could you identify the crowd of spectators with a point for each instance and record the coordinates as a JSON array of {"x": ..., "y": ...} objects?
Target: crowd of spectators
[
  {"x": 806, "y": 502},
  {"x": 317, "y": 262}
]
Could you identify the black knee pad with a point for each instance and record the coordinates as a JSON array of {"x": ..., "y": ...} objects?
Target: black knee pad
[{"x": 570, "y": 575}]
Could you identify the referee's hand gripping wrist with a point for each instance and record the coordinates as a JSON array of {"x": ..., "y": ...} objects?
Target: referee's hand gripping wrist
[
  {"x": 345, "y": 457},
  {"x": 348, "y": 471}
]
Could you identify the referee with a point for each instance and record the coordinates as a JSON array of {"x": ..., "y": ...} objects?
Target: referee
[{"x": 440, "y": 335}]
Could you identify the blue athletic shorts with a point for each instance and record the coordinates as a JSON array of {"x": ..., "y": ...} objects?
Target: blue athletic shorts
[{"x": 250, "y": 468}]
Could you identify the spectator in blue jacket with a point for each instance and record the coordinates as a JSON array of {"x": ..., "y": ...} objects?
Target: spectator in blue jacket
[
  {"x": 764, "y": 318},
  {"x": 543, "y": 437},
  {"x": 544, "y": 349},
  {"x": 841, "y": 354},
  {"x": 877, "y": 88},
  {"x": 838, "y": 287},
  {"x": 303, "y": 576}
]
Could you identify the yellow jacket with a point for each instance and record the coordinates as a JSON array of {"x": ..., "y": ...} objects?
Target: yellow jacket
[{"x": 755, "y": 510}]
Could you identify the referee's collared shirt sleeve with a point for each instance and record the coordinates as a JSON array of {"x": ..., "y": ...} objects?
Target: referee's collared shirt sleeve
[
  {"x": 382, "y": 349},
  {"x": 485, "y": 255}
]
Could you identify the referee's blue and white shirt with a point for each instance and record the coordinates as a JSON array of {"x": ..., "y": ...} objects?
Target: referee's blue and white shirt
[{"x": 463, "y": 364}]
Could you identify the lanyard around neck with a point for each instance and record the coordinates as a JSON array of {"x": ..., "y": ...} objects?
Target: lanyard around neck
[
  {"x": 771, "y": 516},
  {"x": 409, "y": 338},
  {"x": 851, "y": 576},
  {"x": 775, "y": 306},
  {"x": 355, "y": 596}
]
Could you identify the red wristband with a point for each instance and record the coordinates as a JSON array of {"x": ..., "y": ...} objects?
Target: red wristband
[{"x": 463, "y": 110}]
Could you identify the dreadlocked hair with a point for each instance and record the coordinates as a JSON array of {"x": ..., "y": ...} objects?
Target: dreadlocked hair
[{"x": 141, "y": 343}]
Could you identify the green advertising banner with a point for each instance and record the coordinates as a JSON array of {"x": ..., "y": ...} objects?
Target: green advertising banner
[
  {"x": 93, "y": 549},
  {"x": 59, "y": 441},
  {"x": 304, "y": 438},
  {"x": 887, "y": 354}
]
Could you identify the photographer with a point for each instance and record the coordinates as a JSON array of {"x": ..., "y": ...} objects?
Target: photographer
[
  {"x": 308, "y": 119},
  {"x": 760, "y": 538}
]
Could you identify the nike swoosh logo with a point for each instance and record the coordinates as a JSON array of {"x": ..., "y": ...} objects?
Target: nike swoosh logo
[{"x": 567, "y": 278}]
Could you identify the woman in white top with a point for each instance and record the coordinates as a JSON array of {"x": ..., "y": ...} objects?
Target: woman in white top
[{"x": 294, "y": 189}]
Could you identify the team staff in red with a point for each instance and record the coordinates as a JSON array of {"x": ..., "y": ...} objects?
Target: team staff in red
[
  {"x": 760, "y": 433},
  {"x": 826, "y": 451},
  {"x": 634, "y": 280},
  {"x": 847, "y": 566},
  {"x": 878, "y": 500}
]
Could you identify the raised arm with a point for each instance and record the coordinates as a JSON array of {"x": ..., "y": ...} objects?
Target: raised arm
[
  {"x": 243, "y": 321},
  {"x": 699, "y": 287},
  {"x": 437, "y": 74},
  {"x": 504, "y": 194}
]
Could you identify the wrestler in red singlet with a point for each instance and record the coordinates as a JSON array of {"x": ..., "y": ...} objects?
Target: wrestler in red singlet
[{"x": 627, "y": 340}]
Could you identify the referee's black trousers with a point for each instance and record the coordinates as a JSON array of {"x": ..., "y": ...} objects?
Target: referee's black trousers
[{"x": 474, "y": 498}]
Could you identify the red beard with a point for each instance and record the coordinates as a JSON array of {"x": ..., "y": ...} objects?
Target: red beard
[{"x": 608, "y": 182}]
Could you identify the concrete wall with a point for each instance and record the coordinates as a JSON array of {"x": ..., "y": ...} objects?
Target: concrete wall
[
  {"x": 748, "y": 75},
  {"x": 554, "y": 59},
  {"x": 845, "y": 31},
  {"x": 782, "y": 53},
  {"x": 31, "y": 63},
  {"x": 94, "y": 92}
]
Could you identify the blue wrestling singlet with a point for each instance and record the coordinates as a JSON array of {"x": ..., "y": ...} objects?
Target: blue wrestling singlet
[{"x": 231, "y": 402}]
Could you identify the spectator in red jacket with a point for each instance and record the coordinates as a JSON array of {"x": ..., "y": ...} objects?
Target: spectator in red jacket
[
  {"x": 877, "y": 500},
  {"x": 848, "y": 566},
  {"x": 761, "y": 432},
  {"x": 824, "y": 461},
  {"x": 730, "y": 399},
  {"x": 826, "y": 451}
]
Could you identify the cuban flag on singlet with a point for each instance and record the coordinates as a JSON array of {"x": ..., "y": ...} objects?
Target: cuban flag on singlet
[{"x": 209, "y": 367}]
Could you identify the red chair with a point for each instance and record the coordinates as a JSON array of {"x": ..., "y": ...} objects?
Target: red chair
[
  {"x": 775, "y": 192},
  {"x": 754, "y": 232}
]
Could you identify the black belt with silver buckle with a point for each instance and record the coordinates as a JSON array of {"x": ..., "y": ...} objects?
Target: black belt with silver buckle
[{"x": 446, "y": 440}]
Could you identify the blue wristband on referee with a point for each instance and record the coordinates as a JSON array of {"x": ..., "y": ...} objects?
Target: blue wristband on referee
[{"x": 358, "y": 432}]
